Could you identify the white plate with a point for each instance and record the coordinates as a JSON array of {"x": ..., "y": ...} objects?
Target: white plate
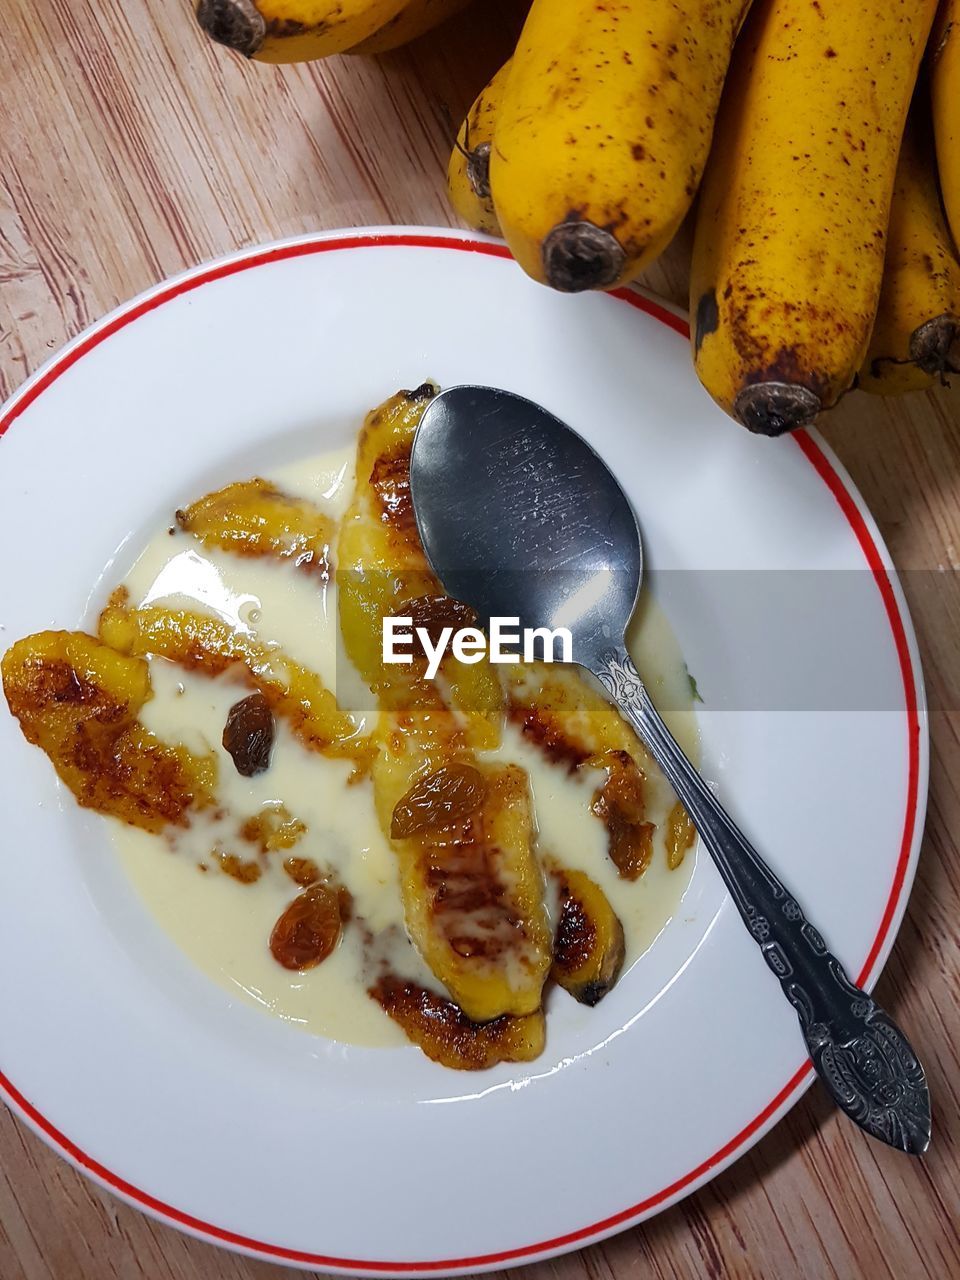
[{"x": 231, "y": 1125}]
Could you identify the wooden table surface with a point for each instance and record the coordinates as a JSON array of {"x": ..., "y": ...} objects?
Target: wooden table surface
[{"x": 129, "y": 149}]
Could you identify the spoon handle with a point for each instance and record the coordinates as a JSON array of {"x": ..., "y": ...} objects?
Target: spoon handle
[{"x": 863, "y": 1058}]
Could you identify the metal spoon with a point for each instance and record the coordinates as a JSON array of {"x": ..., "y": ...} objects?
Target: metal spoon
[{"x": 521, "y": 519}]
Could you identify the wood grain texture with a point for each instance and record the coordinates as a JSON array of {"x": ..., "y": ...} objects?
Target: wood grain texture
[{"x": 131, "y": 149}]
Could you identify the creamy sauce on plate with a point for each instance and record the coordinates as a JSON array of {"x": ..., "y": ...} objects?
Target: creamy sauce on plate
[{"x": 224, "y": 925}]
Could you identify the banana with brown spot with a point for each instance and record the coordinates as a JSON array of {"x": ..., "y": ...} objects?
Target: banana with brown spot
[
  {"x": 945, "y": 97},
  {"x": 468, "y": 174},
  {"x": 604, "y": 131},
  {"x": 915, "y": 336},
  {"x": 294, "y": 30},
  {"x": 792, "y": 222}
]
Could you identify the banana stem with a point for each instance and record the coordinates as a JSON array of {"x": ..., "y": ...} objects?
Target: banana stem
[{"x": 234, "y": 23}]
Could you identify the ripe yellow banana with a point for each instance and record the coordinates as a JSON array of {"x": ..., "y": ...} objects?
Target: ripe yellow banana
[
  {"x": 468, "y": 174},
  {"x": 294, "y": 30},
  {"x": 945, "y": 96},
  {"x": 917, "y": 328},
  {"x": 790, "y": 235},
  {"x": 604, "y": 130},
  {"x": 416, "y": 18}
]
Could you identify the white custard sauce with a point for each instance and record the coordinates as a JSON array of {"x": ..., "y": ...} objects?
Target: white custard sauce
[{"x": 223, "y": 924}]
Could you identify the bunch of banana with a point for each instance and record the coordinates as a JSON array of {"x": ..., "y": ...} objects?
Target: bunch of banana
[
  {"x": 303, "y": 30},
  {"x": 789, "y": 249},
  {"x": 818, "y": 264},
  {"x": 586, "y": 150}
]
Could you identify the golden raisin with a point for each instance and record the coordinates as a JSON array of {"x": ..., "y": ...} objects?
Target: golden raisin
[
  {"x": 238, "y": 869},
  {"x": 451, "y": 792},
  {"x": 302, "y": 870},
  {"x": 630, "y": 846},
  {"x": 248, "y": 734},
  {"x": 621, "y": 807},
  {"x": 308, "y": 930}
]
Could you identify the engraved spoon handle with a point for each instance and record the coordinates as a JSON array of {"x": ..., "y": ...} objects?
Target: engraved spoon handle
[{"x": 865, "y": 1061}]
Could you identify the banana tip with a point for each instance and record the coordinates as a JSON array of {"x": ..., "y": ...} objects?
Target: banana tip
[
  {"x": 235, "y": 23},
  {"x": 935, "y": 345},
  {"x": 773, "y": 408},
  {"x": 579, "y": 255}
]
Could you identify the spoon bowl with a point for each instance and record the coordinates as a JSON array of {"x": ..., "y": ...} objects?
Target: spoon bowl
[{"x": 524, "y": 518}]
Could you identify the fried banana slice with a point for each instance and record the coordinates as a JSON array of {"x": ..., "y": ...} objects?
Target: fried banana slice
[
  {"x": 574, "y": 725},
  {"x": 448, "y": 1036},
  {"x": 681, "y": 834},
  {"x": 206, "y": 644},
  {"x": 471, "y": 884},
  {"x": 254, "y": 518},
  {"x": 78, "y": 701},
  {"x": 382, "y": 569},
  {"x": 566, "y": 718},
  {"x": 472, "y": 888},
  {"x": 588, "y": 946}
]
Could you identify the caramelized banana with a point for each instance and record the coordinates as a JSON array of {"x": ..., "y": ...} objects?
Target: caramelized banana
[
  {"x": 79, "y": 701},
  {"x": 254, "y": 518},
  {"x": 206, "y": 644},
  {"x": 383, "y": 567},
  {"x": 574, "y": 725},
  {"x": 680, "y": 835},
  {"x": 448, "y": 1036},
  {"x": 588, "y": 946},
  {"x": 472, "y": 888},
  {"x": 568, "y": 719}
]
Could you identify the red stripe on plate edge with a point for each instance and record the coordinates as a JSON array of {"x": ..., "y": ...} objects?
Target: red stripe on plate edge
[
  {"x": 822, "y": 466},
  {"x": 824, "y": 469}
]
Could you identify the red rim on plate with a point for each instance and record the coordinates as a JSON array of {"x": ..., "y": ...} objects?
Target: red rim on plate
[{"x": 827, "y": 471}]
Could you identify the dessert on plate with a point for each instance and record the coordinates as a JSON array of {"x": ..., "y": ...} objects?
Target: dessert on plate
[{"x": 364, "y": 851}]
